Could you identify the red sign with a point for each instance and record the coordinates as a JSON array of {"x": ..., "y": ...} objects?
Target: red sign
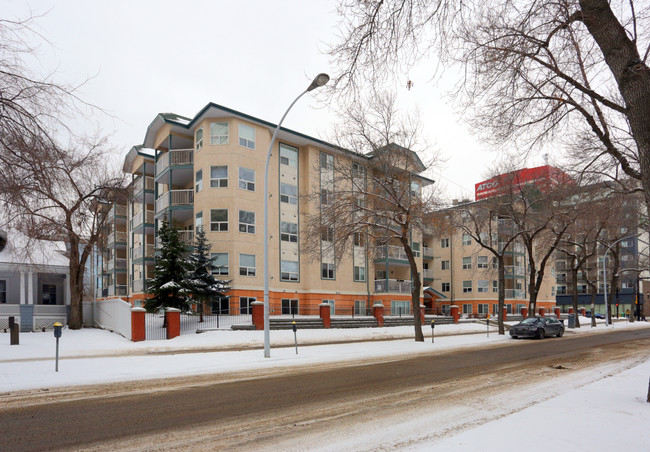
[{"x": 542, "y": 176}]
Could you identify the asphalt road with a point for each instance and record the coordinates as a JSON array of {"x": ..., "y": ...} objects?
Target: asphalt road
[{"x": 98, "y": 417}]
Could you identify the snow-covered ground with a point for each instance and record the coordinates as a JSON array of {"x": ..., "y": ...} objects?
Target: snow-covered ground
[{"x": 601, "y": 414}]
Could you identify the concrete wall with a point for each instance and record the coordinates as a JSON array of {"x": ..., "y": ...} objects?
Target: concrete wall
[{"x": 114, "y": 315}]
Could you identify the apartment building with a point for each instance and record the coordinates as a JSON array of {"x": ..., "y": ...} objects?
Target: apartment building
[
  {"x": 208, "y": 171},
  {"x": 466, "y": 274},
  {"x": 622, "y": 251}
]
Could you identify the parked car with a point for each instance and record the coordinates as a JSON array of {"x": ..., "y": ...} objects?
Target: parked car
[
  {"x": 538, "y": 327},
  {"x": 598, "y": 316}
]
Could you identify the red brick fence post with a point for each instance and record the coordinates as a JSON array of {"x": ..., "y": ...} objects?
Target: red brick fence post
[
  {"x": 378, "y": 312},
  {"x": 173, "y": 322},
  {"x": 137, "y": 325},
  {"x": 325, "y": 310},
  {"x": 454, "y": 313},
  {"x": 258, "y": 314}
]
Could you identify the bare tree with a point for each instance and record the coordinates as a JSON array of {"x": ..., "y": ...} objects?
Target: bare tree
[
  {"x": 52, "y": 179},
  {"x": 571, "y": 70},
  {"x": 373, "y": 196},
  {"x": 483, "y": 223}
]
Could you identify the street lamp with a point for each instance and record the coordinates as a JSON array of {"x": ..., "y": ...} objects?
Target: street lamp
[
  {"x": 320, "y": 80},
  {"x": 607, "y": 317}
]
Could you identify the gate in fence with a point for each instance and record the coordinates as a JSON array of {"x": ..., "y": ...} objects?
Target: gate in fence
[{"x": 154, "y": 326}]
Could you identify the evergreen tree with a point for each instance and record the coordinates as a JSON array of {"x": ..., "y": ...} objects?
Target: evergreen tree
[
  {"x": 168, "y": 285},
  {"x": 200, "y": 282}
]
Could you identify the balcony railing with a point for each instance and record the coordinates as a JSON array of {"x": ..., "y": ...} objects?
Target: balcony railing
[
  {"x": 139, "y": 285},
  {"x": 140, "y": 216},
  {"x": 511, "y": 270},
  {"x": 119, "y": 291},
  {"x": 427, "y": 252},
  {"x": 142, "y": 183},
  {"x": 391, "y": 252},
  {"x": 173, "y": 158},
  {"x": 515, "y": 293},
  {"x": 392, "y": 285},
  {"x": 178, "y": 198},
  {"x": 117, "y": 237},
  {"x": 143, "y": 251},
  {"x": 116, "y": 210},
  {"x": 427, "y": 273},
  {"x": 119, "y": 264},
  {"x": 186, "y": 236},
  {"x": 512, "y": 247}
]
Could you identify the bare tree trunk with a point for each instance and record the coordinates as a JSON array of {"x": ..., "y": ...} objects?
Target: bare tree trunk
[
  {"x": 502, "y": 291},
  {"x": 574, "y": 289}
]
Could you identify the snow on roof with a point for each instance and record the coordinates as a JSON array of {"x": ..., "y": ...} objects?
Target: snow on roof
[{"x": 19, "y": 249}]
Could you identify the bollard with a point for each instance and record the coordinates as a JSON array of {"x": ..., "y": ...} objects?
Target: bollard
[
  {"x": 57, "y": 335},
  {"x": 433, "y": 325},
  {"x": 14, "y": 332},
  {"x": 295, "y": 337},
  {"x": 488, "y": 325}
]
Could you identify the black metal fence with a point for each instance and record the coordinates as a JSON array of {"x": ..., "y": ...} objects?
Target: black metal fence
[
  {"x": 213, "y": 321},
  {"x": 155, "y": 327}
]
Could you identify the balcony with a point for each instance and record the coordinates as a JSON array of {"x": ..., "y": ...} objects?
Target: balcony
[
  {"x": 147, "y": 251},
  {"x": 141, "y": 217},
  {"x": 186, "y": 236},
  {"x": 427, "y": 252},
  {"x": 175, "y": 157},
  {"x": 119, "y": 291},
  {"x": 139, "y": 286},
  {"x": 392, "y": 285},
  {"x": 427, "y": 273},
  {"x": 116, "y": 211},
  {"x": 142, "y": 183},
  {"x": 116, "y": 237},
  {"x": 117, "y": 264},
  {"x": 512, "y": 270},
  {"x": 391, "y": 252},
  {"x": 515, "y": 293},
  {"x": 175, "y": 198},
  {"x": 512, "y": 247}
]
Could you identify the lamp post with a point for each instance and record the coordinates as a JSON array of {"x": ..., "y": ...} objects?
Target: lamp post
[
  {"x": 320, "y": 80},
  {"x": 607, "y": 318}
]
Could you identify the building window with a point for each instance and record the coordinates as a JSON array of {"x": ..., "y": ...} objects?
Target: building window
[
  {"x": 467, "y": 309},
  {"x": 495, "y": 262},
  {"x": 627, "y": 243},
  {"x": 482, "y": 262},
  {"x": 326, "y": 161},
  {"x": 625, "y": 257},
  {"x": 495, "y": 286},
  {"x": 219, "y": 133},
  {"x": 198, "y": 221},
  {"x": 327, "y": 234},
  {"x": 245, "y": 305},
  {"x": 359, "y": 273},
  {"x": 326, "y": 196},
  {"x": 219, "y": 263},
  {"x": 221, "y": 305},
  {"x": 246, "y": 179},
  {"x": 359, "y": 307},
  {"x": 3, "y": 291},
  {"x": 582, "y": 288},
  {"x": 359, "y": 239},
  {"x": 198, "y": 139},
  {"x": 218, "y": 176},
  {"x": 552, "y": 291},
  {"x": 247, "y": 222},
  {"x": 483, "y": 285},
  {"x": 416, "y": 249},
  {"x": 483, "y": 308},
  {"x": 247, "y": 265},
  {"x": 444, "y": 243},
  {"x": 519, "y": 307},
  {"x": 289, "y": 271},
  {"x": 444, "y": 265},
  {"x": 288, "y": 193},
  {"x": 327, "y": 270},
  {"x": 288, "y": 155},
  {"x": 289, "y": 307},
  {"x": 467, "y": 286},
  {"x": 467, "y": 239},
  {"x": 561, "y": 290},
  {"x": 446, "y": 287},
  {"x": 218, "y": 220},
  {"x": 467, "y": 263},
  {"x": 199, "y": 181},
  {"x": 246, "y": 136},
  {"x": 289, "y": 232},
  {"x": 49, "y": 294},
  {"x": 415, "y": 189},
  {"x": 400, "y": 307}
]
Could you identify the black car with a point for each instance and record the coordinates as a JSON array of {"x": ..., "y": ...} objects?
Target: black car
[
  {"x": 598, "y": 316},
  {"x": 538, "y": 327}
]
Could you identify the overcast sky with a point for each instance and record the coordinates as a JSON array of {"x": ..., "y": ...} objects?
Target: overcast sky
[{"x": 254, "y": 56}]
